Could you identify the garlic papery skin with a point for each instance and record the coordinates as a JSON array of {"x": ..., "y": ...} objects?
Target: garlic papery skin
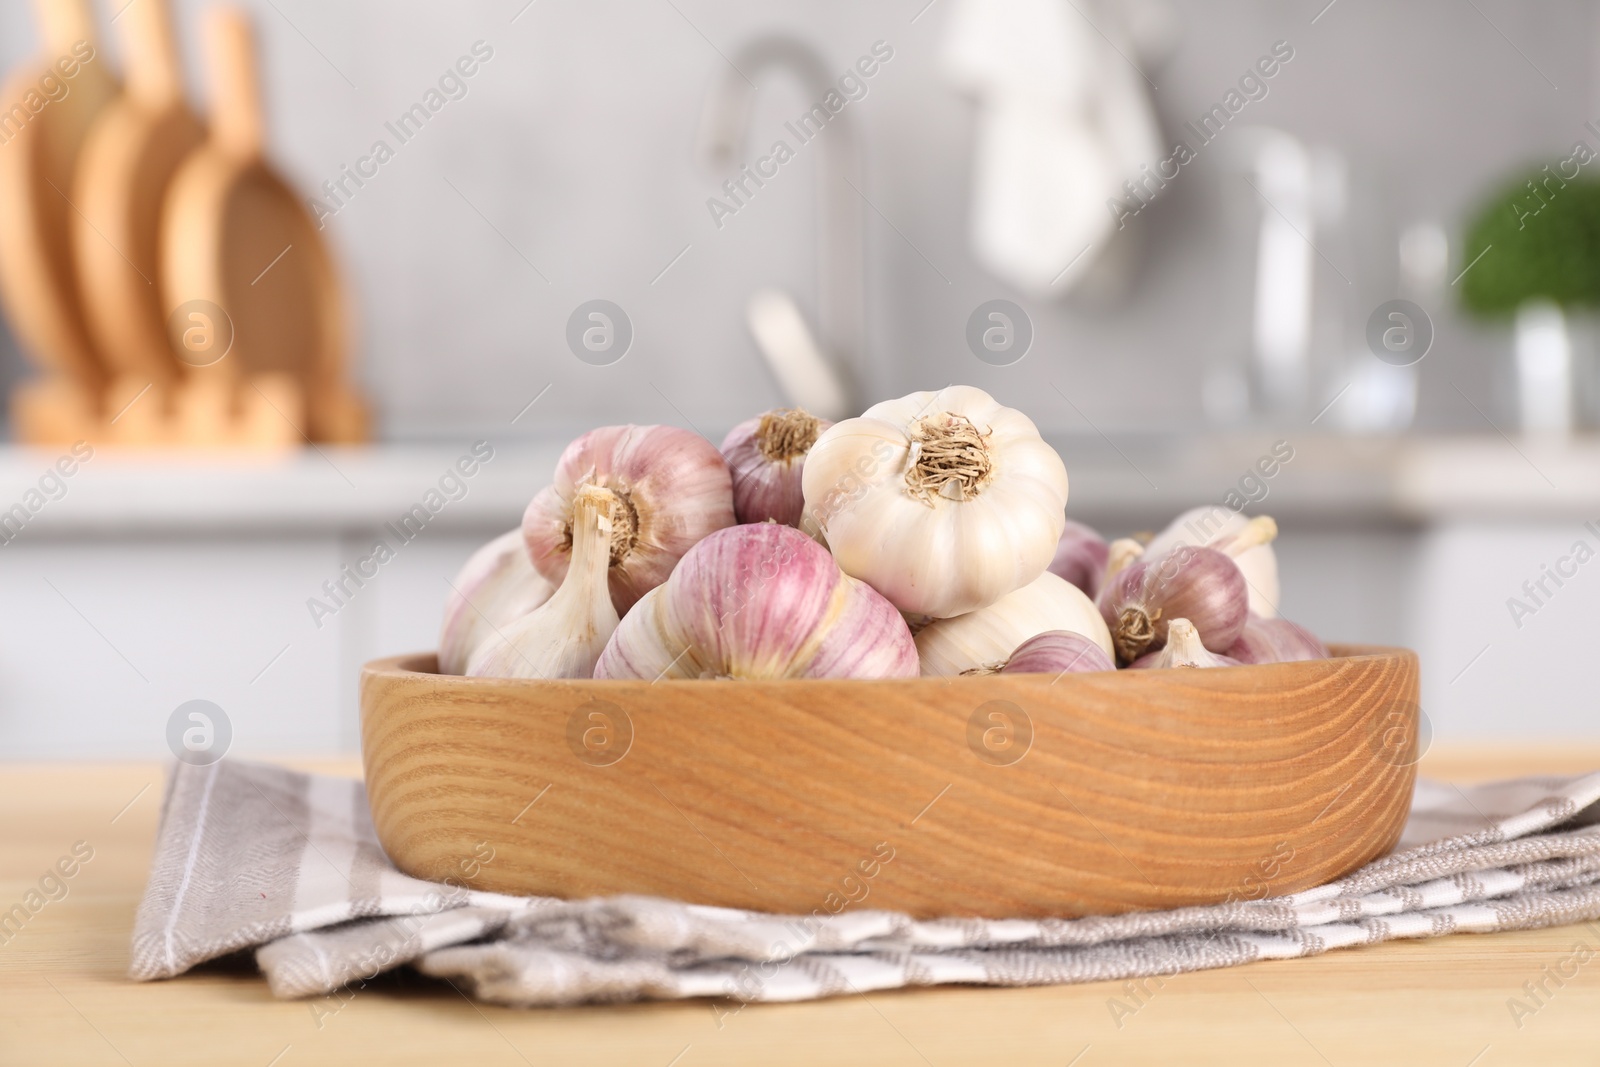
[
  {"x": 1276, "y": 641},
  {"x": 1210, "y": 524},
  {"x": 496, "y": 586},
  {"x": 674, "y": 488},
  {"x": 1200, "y": 585},
  {"x": 943, "y": 502},
  {"x": 760, "y": 601},
  {"x": 1058, "y": 652},
  {"x": 766, "y": 455},
  {"x": 1183, "y": 649},
  {"x": 1081, "y": 558},
  {"x": 564, "y": 636},
  {"x": 984, "y": 640}
]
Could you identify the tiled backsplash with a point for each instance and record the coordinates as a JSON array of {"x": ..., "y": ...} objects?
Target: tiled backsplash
[{"x": 562, "y": 169}]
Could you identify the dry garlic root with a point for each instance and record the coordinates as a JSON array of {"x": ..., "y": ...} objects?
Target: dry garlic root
[{"x": 766, "y": 455}]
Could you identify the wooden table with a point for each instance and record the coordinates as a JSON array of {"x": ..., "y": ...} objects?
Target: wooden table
[{"x": 64, "y": 1000}]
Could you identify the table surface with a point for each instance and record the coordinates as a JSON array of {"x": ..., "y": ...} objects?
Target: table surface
[{"x": 64, "y": 998}]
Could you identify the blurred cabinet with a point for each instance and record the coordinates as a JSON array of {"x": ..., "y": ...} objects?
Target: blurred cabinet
[
  {"x": 139, "y": 582},
  {"x": 103, "y": 638}
]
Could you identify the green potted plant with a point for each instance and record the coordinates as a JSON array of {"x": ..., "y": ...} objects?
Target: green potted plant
[{"x": 1532, "y": 255}]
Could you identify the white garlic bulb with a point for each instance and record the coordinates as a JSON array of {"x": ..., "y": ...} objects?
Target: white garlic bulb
[
  {"x": 985, "y": 639},
  {"x": 1211, "y": 524},
  {"x": 564, "y": 636},
  {"x": 760, "y": 601},
  {"x": 673, "y": 487},
  {"x": 943, "y": 502},
  {"x": 496, "y": 586}
]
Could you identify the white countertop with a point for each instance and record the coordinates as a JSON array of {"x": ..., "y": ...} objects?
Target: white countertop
[
  {"x": 310, "y": 490},
  {"x": 1404, "y": 481}
]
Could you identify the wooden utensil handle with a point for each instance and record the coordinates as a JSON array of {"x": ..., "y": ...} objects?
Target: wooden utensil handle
[
  {"x": 63, "y": 23},
  {"x": 236, "y": 114},
  {"x": 154, "y": 75}
]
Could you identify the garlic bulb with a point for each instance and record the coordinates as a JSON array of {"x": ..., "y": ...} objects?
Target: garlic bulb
[
  {"x": 563, "y": 637},
  {"x": 1183, "y": 649},
  {"x": 943, "y": 502},
  {"x": 766, "y": 455},
  {"x": 1210, "y": 524},
  {"x": 673, "y": 489},
  {"x": 1058, "y": 652},
  {"x": 760, "y": 601},
  {"x": 1081, "y": 558},
  {"x": 985, "y": 639},
  {"x": 497, "y": 586},
  {"x": 1276, "y": 641},
  {"x": 1200, "y": 585}
]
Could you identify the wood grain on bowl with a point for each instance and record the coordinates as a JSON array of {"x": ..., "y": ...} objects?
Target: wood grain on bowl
[{"x": 1006, "y": 795}]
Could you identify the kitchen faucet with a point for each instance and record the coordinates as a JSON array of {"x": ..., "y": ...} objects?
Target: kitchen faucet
[{"x": 815, "y": 369}]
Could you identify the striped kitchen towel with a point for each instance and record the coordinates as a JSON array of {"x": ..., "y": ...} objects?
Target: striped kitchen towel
[{"x": 251, "y": 856}]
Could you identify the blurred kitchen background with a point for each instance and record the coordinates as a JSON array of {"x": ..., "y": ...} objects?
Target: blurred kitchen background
[{"x": 1229, "y": 314}]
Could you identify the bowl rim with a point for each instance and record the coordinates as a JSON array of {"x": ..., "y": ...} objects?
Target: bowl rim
[{"x": 425, "y": 665}]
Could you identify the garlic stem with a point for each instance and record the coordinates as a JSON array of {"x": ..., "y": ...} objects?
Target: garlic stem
[
  {"x": 1183, "y": 645},
  {"x": 1261, "y": 530},
  {"x": 565, "y": 636},
  {"x": 622, "y": 522},
  {"x": 595, "y": 530},
  {"x": 1183, "y": 649},
  {"x": 673, "y": 488},
  {"x": 1123, "y": 551}
]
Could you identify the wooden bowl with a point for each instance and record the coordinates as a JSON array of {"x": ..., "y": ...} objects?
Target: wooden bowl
[{"x": 1006, "y": 795}]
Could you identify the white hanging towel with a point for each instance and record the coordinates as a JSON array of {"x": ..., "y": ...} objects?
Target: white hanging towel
[{"x": 1064, "y": 119}]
